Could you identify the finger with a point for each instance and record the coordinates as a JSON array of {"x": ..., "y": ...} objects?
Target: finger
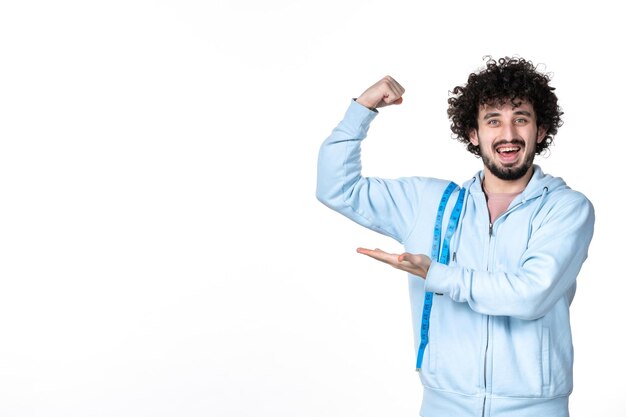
[
  {"x": 393, "y": 83},
  {"x": 379, "y": 255},
  {"x": 396, "y": 87},
  {"x": 367, "y": 252},
  {"x": 393, "y": 91},
  {"x": 371, "y": 252},
  {"x": 391, "y": 98},
  {"x": 363, "y": 250}
]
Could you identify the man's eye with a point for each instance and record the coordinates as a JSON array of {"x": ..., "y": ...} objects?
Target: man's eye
[
  {"x": 492, "y": 122},
  {"x": 521, "y": 121}
]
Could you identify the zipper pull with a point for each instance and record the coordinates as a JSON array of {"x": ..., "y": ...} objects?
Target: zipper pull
[{"x": 490, "y": 229}]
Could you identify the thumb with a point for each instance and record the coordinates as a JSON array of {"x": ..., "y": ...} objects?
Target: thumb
[
  {"x": 398, "y": 101},
  {"x": 410, "y": 258}
]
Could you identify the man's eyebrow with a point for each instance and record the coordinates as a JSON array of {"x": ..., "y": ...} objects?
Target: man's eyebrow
[
  {"x": 490, "y": 115},
  {"x": 516, "y": 112}
]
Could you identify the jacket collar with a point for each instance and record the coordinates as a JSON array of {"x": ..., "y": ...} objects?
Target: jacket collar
[{"x": 539, "y": 184}]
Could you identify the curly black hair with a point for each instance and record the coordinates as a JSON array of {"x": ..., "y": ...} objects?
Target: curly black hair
[{"x": 506, "y": 80}]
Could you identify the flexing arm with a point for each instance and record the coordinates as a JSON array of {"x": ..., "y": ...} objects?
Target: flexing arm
[{"x": 385, "y": 206}]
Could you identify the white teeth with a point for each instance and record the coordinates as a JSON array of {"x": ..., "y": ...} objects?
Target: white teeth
[{"x": 511, "y": 149}]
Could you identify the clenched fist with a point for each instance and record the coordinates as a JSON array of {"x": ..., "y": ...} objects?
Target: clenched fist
[{"x": 385, "y": 92}]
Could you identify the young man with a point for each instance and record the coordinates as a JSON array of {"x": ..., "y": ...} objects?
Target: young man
[{"x": 492, "y": 264}]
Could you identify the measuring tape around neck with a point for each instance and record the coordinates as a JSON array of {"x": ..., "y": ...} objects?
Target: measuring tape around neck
[{"x": 440, "y": 254}]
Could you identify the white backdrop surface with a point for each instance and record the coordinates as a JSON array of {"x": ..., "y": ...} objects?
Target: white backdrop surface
[{"x": 162, "y": 252}]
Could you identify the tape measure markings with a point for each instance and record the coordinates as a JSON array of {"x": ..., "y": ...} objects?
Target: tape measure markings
[{"x": 441, "y": 257}]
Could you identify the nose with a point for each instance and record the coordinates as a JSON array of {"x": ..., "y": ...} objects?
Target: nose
[{"x": 509, "y": 132}]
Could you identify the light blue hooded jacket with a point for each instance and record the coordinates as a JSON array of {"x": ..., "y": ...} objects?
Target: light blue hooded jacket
[{"x": 500, "y": 342}]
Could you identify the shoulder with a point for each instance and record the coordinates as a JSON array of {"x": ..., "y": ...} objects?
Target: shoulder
[
  {"x": 568, "y": 208},
  {"x": 556, "y": 192},
  {"x": 564, "y": 196}
]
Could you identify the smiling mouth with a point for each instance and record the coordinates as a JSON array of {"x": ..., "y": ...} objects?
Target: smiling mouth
[
  {"x": 508, "y": 150},
  {"x": 508, "y": 154}
]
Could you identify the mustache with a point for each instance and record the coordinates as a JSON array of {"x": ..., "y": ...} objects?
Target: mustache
[{"x": 518, "y": 142}]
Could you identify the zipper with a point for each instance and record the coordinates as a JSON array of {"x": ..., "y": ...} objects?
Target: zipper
[
  {"x": 489, "y": 260},
  {"x": 485, "y": 369},
  {"x": 487, "y": 343}
]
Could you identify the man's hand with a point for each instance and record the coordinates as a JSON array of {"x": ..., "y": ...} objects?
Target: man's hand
[
  {"x": 414, "y": 264},
  {"x": 385, "y": 92}
]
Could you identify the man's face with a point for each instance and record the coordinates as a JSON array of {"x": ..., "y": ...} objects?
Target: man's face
[{"x": 507, "y": 136}]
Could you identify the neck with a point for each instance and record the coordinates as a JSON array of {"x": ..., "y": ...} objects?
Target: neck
[{"x": 493, "y": 184}]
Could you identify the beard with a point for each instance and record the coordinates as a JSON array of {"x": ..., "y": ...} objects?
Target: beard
[{"x": 508, "y": 173}]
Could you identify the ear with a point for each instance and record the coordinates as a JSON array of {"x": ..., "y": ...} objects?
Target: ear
[
  {"x": 541, "y": 134},
  {"x": 473, "y": 134}
]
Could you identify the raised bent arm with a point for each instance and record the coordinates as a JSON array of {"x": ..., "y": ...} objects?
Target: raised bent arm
[{"x": 385, "y": 206}]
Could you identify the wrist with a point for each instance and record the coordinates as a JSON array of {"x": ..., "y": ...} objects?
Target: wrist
[{"x": 371, "y": 107}]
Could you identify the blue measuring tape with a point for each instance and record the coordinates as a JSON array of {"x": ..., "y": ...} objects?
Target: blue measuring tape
[{"x": 442, "y": 255}]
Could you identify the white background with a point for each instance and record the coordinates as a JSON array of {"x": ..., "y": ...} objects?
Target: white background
[{"x": 162, "y": 252}]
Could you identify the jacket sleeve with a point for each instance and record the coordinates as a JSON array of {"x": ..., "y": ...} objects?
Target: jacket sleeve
[
  {"x": 385, "y": 206},
  {"x": 548, "y": 268}
]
